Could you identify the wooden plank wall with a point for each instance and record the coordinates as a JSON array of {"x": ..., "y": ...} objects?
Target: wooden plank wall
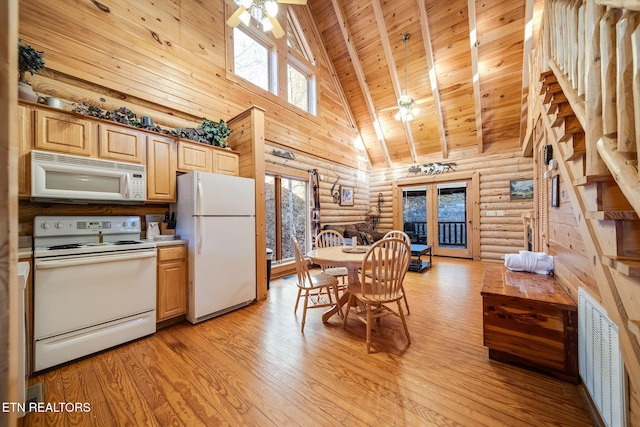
[
  {"x": 167, "y": 60},
  {"x": 499, "y": 235}
]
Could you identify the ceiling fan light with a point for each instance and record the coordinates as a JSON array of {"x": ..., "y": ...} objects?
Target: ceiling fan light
[
  {"x": 246, "y": 3},
  {"x": 266, "y": 24},
  {"x": 271, "y": 8},
  {"x": 245, "y": 17}
]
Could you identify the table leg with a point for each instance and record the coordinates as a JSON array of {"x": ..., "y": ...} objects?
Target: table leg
[{"x": 352, "y": 278}]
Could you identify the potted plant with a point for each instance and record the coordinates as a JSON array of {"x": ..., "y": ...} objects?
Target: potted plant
[
  {"x": 29, "y": 60},
  {"x": 215, "y": 133}
]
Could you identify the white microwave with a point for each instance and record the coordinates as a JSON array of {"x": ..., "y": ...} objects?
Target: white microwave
[{"x": 73, "y": 179}]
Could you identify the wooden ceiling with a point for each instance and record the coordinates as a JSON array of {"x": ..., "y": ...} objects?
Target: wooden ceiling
[{"x": 459, "y": 115}]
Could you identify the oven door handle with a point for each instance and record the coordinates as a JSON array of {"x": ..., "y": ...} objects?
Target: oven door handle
[{"x": 70, "y": 262}]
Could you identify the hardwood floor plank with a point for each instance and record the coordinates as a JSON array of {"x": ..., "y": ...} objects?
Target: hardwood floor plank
[{"x": 254, "y": 367}]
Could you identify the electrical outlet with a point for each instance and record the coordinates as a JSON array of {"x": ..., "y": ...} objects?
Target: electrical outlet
[{"x": 491, "y": 213}]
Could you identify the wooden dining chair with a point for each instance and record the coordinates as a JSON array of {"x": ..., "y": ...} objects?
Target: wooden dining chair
[
  {"x": 325, "y": 239},
  {"x": 373, "y": 298},
  {"x": 404, "y": 236},
  {"x": 313, "y": 288}
]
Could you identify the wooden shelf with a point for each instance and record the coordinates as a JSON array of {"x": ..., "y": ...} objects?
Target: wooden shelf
[
  {"x": 612, "y": 215},
  {"x": 626, "y": 265}
]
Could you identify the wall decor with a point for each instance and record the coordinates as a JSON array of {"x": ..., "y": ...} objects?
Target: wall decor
[
  {"x": 521, "y": 189},
  {"x": 432, "y": 168},
  {"x": 283, "y": 154},
  {"x": 346, "y": 196},
  {"x": 555, "y": 190}
]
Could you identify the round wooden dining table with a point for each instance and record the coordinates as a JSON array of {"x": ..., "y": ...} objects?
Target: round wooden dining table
[{"x": 340, "y": 256}]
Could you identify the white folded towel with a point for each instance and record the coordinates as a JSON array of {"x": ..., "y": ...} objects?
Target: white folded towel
[{"x": 536, "y": 262}]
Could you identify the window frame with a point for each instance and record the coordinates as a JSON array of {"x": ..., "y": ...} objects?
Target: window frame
[
  {"x": 272, "y": 51},
  {"x": 302, "y": 66},
  {"x": 279, "y": 173}
]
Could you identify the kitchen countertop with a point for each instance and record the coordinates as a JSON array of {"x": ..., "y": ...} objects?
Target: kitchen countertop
[
  {"x": 168, "y": 242},
  {"x": 24, "y": 252}
]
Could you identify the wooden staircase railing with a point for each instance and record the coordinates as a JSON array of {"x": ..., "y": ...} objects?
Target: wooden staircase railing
[{"x": 588, "y": 64}]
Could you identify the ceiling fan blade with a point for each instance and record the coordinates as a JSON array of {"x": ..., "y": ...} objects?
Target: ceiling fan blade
[
  {"x": 277, "y": 28},
  {"x": 292, "y": 1},
  {"x": 234, "y": 20}
]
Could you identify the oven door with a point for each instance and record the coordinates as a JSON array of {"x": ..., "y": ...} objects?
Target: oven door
[{"x": 84, "y": 304}]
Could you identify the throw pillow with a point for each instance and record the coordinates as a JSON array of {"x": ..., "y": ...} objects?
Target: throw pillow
[{"x": 364, "y": 238}]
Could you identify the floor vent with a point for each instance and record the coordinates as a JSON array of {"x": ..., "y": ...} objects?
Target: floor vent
[
  {"x": 34, "y": 394},
  {"x": 601, "y": 366}
]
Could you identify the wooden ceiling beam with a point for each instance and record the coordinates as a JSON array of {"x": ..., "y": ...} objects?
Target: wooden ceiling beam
[
  {"x": 395, "y": 81},
  {"x": 338, "y": 86},
  {"x": 477, "y": 97},
  {"x": 355, "y": 60},
  {"x": 433, "y": 78}
]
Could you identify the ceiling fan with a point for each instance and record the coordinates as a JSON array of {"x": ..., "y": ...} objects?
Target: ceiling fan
[{"x": 263, "y": 11}]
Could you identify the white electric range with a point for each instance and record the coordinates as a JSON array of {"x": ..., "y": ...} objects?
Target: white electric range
[{"x": 94, "y": 285}]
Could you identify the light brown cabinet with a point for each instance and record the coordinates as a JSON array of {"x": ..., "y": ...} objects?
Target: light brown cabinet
[
  {"x": 161, "y": 169},
  {"x": 194, "y": 157},
  {"x": 25, "y": 139},
  {"x": 121, "y": 143},
  {"x": 62, "y": 132},
  {"x": 172, "y": 280},
  {"x": 226, "y": 163}
]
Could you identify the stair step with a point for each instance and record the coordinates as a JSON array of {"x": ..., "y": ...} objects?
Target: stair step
[
  {"x": 634, "y": 327},
  {"x": 626, "y": 265},
  {"x": 575, "y": 147},
  {"x": 612, "y": 215},
  {"x": 548, "y": 76},
  {"x": 591, "y": 179}
]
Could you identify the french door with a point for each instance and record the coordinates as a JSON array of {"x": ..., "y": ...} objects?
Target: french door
[{"x": 439, "y": 214}]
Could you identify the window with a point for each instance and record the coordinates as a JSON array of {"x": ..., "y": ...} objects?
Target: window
[
  {"x": 297, "y": 89},
  {"x": 251, "y": 60},
  {"x": 287, "y": 214}
]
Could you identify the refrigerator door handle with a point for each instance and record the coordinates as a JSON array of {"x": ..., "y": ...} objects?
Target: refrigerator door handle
[
  {"x": 199, "y": 198},
  {"x": 200, "y": 234}
]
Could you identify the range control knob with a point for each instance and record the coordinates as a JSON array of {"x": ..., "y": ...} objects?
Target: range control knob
[
  {"x": 59, "y": 225},
  {"x": 134, "y": 224},
  {"x": 45, "y": 225},
  {"x": 125, "y": 224}
]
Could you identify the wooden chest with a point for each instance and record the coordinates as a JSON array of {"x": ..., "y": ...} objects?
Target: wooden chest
[{"x": 530, "y": 319}]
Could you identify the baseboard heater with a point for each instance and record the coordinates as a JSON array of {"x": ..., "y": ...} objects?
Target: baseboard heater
[{"x": 600, "y": 359}]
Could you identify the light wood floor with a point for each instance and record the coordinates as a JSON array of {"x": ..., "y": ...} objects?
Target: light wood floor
[{"x": 254, "y": 367}]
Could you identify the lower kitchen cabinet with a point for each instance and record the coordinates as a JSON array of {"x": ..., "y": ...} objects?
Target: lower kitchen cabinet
[{"x": 172, "y": 293}]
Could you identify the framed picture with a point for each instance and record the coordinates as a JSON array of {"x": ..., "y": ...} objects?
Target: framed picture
[
  {"x": 522, "y": 189},
  {"x": 555, "y": 189},
  {"x": 346, "y": 196}
]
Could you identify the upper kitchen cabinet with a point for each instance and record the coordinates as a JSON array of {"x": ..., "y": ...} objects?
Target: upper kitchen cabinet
[
  {"x": 194, "y": 157},
  {"x": 25, "y": 139},
  {"x": 161, "y": 169},
  {"x": 225, "y": 162},
  {"x": 121, "y": 143},
  {"x": 62, "y": 132}
]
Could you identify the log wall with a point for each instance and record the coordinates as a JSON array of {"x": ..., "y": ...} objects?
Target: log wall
[{"x": 499, "y": 235}]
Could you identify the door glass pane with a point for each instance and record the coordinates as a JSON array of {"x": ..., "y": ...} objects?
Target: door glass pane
[
  {"x": 414, "y": 213},
  {"x": 270, "y": 196},
  {"x": 452, "y": 217},
  {"x": 294, "y": 215}
]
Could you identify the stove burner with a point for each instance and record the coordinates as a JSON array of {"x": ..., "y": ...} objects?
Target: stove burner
[
  {"x": 127, "y": 242},
  {"x": 68, "y": 246}
]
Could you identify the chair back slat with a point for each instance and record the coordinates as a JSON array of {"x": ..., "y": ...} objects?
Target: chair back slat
[
  {"x": 383, "y": 269},
  {"x": 327, "y": 238},
  {"x": 398, "y": 235},
  {"x": 302, "y": 265}
]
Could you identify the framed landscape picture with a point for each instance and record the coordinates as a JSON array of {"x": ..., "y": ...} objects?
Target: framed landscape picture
[
  {"x": 346, "y": 196},
  {"x": 521, "y": 189}
]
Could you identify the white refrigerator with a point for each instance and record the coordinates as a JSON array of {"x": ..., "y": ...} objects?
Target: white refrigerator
[{"x": 216, "y": 213}]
